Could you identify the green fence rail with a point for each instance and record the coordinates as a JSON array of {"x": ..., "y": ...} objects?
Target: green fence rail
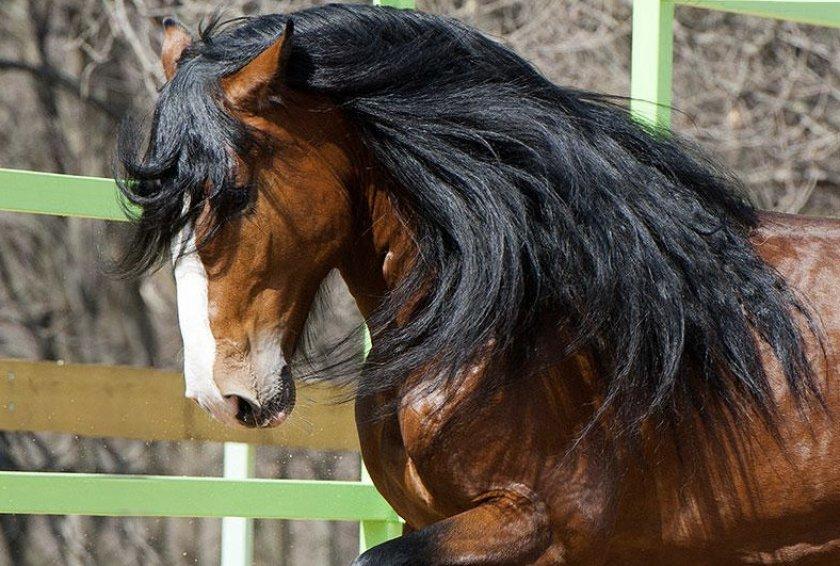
[
  {"x": 177, "y": 496},
  {"x": 60, "y": 195},
  {"x": 101, "y": 494}
]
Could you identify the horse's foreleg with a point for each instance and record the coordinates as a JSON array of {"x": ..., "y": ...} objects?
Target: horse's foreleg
[{"x": 506, "y": 528}]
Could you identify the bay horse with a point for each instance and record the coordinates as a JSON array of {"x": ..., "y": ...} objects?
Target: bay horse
[{"x": 586, "y": 347}]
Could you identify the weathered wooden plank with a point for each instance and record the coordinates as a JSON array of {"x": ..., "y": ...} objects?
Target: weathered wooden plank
[{"x": 126, "y": 402}]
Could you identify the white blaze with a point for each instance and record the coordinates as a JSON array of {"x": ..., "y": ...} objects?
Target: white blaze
[
  {"x": 266, "y": 360},
  {"x": 194, "y": 321}
]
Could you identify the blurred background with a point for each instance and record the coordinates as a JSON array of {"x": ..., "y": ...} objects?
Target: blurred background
[{"x": 763, "y": 96}]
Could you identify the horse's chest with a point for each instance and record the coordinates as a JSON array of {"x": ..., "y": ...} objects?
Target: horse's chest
[
  {"x": 393, "y": 471},
  {"x": 429, "y": 469}
]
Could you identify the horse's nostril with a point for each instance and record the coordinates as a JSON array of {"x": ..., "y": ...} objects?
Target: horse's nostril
[{"x": 247, "y": 412}]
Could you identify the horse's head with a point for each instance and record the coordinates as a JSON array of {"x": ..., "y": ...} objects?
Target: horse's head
[{"x": 246, "y": 282}]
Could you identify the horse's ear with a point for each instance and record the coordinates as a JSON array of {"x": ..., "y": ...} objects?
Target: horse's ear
[
  {"x": 252, "y": 84},
  {"x": 175, "y": 40}
]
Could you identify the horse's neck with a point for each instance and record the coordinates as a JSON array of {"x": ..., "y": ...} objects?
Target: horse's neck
[{"x": 382, "y": 249}]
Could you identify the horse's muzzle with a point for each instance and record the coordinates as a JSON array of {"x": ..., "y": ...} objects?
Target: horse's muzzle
[{"x": 274, "y": 410}]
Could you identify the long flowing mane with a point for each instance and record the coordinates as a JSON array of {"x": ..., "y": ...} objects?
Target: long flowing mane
[{"x": 538, "y": 210}]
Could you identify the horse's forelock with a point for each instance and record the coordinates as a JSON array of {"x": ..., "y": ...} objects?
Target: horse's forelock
[{"x": 189, "y": 156}]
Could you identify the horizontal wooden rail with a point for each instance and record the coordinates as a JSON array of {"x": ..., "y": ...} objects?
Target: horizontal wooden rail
[
  {"x": 125, "y": 402},
  {"x": 46, "y": 493}
]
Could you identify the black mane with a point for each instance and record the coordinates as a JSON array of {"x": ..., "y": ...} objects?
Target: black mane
[{"x": 537, "y": 209}]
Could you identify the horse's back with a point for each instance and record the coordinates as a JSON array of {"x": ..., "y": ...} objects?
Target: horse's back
[
  {"x": 762, "y": 501},
  {"x": 806, "y": 252},
  {"x": 781, "y": 503}
]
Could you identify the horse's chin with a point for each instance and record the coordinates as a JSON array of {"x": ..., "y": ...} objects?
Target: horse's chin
[
  {"x": 276, "y": 420},
  {"x": 265, "y": 418}
]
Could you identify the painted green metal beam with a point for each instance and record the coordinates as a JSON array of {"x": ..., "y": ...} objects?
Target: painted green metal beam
[
  {"x": 45, "y": 493},
  {"x": 59, "y": 195},
  {"x": 820, "y": 13}
]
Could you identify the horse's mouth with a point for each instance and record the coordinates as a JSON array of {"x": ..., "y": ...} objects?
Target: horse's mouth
[{"x": 274, "y": 411}]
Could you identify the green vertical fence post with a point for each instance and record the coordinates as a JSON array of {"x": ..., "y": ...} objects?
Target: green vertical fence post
[
  {"x": 372, "y": 533},
  {"x": 652, "y": 58},
  {"x": 238, "y": 532}
]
